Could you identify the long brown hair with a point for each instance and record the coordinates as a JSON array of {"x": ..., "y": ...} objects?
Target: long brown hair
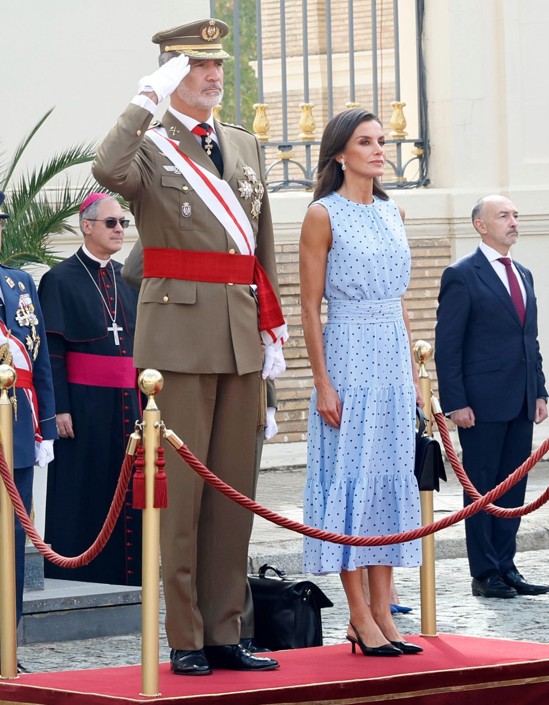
[{"x": 336, "y": 134}]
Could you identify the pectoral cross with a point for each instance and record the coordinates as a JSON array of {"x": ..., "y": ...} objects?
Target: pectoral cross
[{"x": 114, "y": 329}]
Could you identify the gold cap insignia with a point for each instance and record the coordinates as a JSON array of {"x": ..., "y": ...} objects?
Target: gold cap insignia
[{"x": 210, "y": 31}]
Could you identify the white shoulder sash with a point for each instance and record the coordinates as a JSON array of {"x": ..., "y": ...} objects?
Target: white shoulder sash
[
  {"x": 217, "y": 195},
  {"x": 20, "y": 360},
  {"x": 17, "y": 349}
]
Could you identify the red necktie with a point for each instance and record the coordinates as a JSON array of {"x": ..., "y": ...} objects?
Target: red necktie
[
  {"x": 210, "y": 146},
  {"x": 516, "y": 293}
]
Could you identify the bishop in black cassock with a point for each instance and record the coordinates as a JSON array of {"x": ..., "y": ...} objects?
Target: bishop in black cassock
[{"x": 89, "y": 313}]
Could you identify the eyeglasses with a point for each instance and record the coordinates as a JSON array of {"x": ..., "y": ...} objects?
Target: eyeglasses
[{"x": 111, "y": 222}]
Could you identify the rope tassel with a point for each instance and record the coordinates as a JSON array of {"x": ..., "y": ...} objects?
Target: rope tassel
[
  {"x": 160, "y": 481},
  {"x": 138, "y": 494}
]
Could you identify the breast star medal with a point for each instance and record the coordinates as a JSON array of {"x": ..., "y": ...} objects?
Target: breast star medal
[
  {"x": 26, "y": 318},
  {"x": 251, "y": 188}
]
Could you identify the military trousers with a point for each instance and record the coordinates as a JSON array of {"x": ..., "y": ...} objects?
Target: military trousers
[{"x": 204, "y": 536}]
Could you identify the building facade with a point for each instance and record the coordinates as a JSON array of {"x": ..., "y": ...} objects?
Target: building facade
[{"x": 485, "y": 107}]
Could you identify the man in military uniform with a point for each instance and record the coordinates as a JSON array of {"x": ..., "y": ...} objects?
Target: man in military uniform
[
  {"x": 207, "y": 301},
  {"x": 23, "y": 346}
]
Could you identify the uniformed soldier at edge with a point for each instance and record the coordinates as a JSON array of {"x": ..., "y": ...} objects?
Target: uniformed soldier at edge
[{"x": 23, "y": 346}]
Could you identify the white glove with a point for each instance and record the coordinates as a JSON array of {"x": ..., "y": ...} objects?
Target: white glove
[
  {"x": 271, "y": 429},
  {"x": 165, "y": 80},
  {"x": 43, "y": 453},
  {"x": 273, "y": 362}
]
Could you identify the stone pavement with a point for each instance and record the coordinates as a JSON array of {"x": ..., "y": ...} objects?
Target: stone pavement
[{"x": 280, "y": 489}]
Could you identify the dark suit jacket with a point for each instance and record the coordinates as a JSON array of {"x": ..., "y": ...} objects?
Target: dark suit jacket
[{"x": 484, "y": 357}]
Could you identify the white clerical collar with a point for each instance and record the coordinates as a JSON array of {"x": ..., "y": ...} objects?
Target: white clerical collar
[
  {"x": 101, "y": 262},
  {"x": 190, "y": 122}
]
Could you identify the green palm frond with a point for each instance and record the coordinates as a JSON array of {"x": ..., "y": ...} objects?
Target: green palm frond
[{"x": 42, "y": 202}]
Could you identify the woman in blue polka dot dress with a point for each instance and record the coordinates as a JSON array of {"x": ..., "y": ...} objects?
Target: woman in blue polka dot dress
[{"x": 360, "y": 466}]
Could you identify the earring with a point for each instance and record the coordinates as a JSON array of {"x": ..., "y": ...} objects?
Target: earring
[{"x": 343, "y": 165}]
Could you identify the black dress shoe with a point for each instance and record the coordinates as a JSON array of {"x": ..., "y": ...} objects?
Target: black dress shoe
[
  {"x": 189, "y": 663},
  {"x": 407, "y": 648},
  {"x": 514, "y": 579},
  {"x": 237, "y": 658},
  {"x": 492, "y": 586},
  {"x": 250, "y": 645}
]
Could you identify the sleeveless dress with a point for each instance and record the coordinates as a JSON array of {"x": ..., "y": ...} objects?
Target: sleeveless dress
[{"x": 360, "y": 477}]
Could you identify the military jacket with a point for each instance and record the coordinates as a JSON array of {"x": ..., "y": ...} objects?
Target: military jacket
[{"x": 188, "y": 326}]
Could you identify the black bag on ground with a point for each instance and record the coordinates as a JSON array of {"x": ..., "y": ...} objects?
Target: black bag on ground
[
  {"x": 286, "y": 612},
  {"x": 429, "y": 465}
]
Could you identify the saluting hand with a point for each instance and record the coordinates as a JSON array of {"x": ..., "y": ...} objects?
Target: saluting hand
[{"x": 165, "y": 80}]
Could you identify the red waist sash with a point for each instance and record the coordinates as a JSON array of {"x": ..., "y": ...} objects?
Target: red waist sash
[
  {"x": 24, "y": 379},
  {"x": 100, "y": 370},
  {"x": 216, "y": 268}
]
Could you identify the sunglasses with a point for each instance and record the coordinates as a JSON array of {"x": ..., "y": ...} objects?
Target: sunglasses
[{"x": 111, "y": 222}]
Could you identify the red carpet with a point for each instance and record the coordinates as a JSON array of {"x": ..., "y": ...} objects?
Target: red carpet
[{"x": 452, "y": 670}]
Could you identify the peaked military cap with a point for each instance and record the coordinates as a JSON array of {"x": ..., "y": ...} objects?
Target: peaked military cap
[
  {"x": 3, "y": 215},
  {"x": 197, "y": 40}
]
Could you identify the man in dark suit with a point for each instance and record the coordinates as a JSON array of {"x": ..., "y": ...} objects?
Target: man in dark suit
[
  {"x": 491, "y": 385},
  {"x": 197, "y": 190},
  {"x": 23, "y": 346}
]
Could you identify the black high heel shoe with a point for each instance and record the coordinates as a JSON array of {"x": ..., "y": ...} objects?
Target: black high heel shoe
[
  {"x": 383, "y": 650},
  {"x": 407, "y": 648}
]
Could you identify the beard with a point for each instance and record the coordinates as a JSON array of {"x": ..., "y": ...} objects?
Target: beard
[{"x": 194, "y": 99}]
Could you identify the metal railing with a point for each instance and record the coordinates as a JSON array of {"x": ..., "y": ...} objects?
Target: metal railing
[{"x": 313, "y": 58}]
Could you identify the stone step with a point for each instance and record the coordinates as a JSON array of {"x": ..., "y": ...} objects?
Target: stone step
[{"x": 67, "y": 609}]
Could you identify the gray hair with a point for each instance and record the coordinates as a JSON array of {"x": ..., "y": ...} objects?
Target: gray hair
[
  {"x": 165, "y": 56},
  {"x": 476, "y": 213},
  {"x": 90, "y": 213}
]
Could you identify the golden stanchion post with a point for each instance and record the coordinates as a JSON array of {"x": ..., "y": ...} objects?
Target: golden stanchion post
[
  {"x": 150, "y": 383},
  {"x": 422, "y": 353},
  {"x": 8, "y": 619}
]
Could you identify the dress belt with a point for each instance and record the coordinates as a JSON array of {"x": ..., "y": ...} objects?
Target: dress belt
[{"x": 365, "y": 311}]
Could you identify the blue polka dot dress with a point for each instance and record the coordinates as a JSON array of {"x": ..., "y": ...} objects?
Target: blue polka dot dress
[{"x": 360, "y": 478}]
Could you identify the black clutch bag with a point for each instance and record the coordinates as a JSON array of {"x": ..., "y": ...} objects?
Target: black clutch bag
[
  {"x": 429, "y": 465},
  {"x": 286, "y": 612}
]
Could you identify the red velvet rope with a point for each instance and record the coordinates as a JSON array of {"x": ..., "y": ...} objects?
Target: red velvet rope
[
  {"x": 515, "y": 477},
  {"x": 103, "y": 536},
  {"x": 478, "y": 505}
]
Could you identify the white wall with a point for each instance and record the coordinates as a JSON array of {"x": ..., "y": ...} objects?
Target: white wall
[
  {"x": 84, "y": 59},
  {"x": 487, "y": 110},
  {"x": 488, "y": 100}
]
